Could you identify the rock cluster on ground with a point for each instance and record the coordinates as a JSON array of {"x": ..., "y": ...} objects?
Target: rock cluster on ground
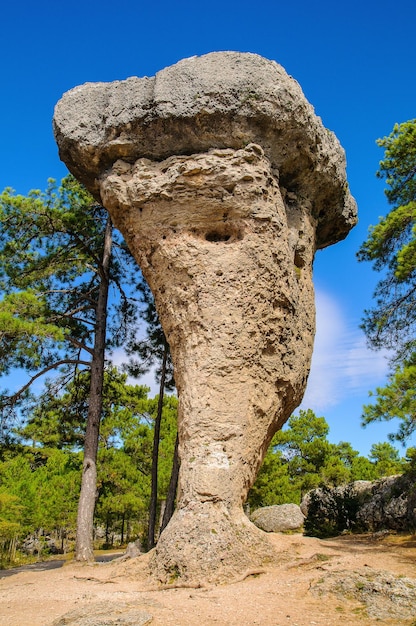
[
  {"x": 106, "y": 614},
  {"x": 385, "y": 596},
  {"x": 385, "y": 504},
  {"x": 224, "y": 183}
]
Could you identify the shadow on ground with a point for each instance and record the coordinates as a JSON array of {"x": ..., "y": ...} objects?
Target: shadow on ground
[{"x": 43, "y": 566}]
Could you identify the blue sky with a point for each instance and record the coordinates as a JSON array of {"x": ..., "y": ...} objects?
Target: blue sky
[{"x": 356, "y": 64}]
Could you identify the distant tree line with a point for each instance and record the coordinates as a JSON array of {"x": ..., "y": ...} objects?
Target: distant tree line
[
  {"x": 301, "y": 458},
  {"x": 41, "y": 466},
  {"x": 40, "y": 469}
]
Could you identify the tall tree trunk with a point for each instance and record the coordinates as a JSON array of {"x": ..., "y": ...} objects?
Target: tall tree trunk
[
  {"x": 173, "y": 486},
  {"x": 122, "y": 529},
  {"x": 155, "y": 456},
  {"x": 85, "y": 520}
]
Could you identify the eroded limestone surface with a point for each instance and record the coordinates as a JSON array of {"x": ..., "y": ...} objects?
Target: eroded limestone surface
[{"x": 223, "y": 196}]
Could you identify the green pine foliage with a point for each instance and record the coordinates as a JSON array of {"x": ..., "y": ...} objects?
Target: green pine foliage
[
  {"x": 25, "y": 330},
  {"x": 51, "y": 247},
  {"x": 10, "y": 527},
  {"x": 300, "y": 458},
  {"x": 397, "y": 399},
  {"x": 41, "y": 491},
  {"x": 391, "y": 247},
  {"x": 40, "y": 476},
  {"x": 386, "y": 460}
]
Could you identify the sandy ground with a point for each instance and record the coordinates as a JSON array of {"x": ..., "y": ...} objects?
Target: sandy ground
[{"x": 296, "y": 590}]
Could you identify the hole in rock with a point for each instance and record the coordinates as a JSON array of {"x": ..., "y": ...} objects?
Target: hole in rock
[
  {"x": 224, "y": 232},
  {"x": 217, "y": 236},
  {"x": 269, "y": 348},
  {"x": 299, "y": 261}
]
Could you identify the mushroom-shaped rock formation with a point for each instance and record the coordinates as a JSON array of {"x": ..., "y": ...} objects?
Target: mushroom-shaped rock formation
[{"x": 223, "y": 182}]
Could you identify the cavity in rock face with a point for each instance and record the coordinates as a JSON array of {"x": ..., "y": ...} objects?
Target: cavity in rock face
[{"x": 223, "y": 212}]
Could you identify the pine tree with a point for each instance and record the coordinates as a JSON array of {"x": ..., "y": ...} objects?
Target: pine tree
[
  {"x": 57, "y": 249},
  {"x": 154, "y": 351},
  {"x": 391, "y": 247}
]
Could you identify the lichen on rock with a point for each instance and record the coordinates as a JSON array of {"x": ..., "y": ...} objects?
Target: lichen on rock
[{"x": 224, "y": 183}]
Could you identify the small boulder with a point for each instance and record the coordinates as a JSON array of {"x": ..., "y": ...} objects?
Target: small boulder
[
  {"x": 134, "y": 549},
  {"x": 278, "y": 518}
]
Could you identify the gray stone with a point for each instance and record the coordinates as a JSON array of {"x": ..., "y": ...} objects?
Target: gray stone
[
  {"x": 385, "y": 504},
  {"x": 278, "y": 518},
  {"x": 392, "y": 505},
  {"x": 385, "y": 596},
  {"x": 359, "y": 489},
  {"x": 224, "y": 183},
  {"x": 134, "y": 549},
  {"x": 105, "y": 614}
]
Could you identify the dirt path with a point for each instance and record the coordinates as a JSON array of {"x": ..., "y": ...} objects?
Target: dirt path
[
  {"x": 347, "y": 580},
  {"x": 42, "y": 566}
]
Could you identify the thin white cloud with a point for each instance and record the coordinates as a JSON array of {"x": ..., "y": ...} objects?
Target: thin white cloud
[
  {"x": 118, "y": 358},
  {"x": 342, "y": 364}
]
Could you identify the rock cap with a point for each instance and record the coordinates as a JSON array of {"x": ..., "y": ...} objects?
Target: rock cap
[{"x": 219, "y": 100}]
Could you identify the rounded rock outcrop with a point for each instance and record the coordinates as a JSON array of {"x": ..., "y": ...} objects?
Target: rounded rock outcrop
[
  {"x": 224, "y": 183},
  {"x": 278, "y": 518}
]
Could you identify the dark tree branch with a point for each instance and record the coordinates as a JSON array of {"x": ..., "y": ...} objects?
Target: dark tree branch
[{"x": 10, "y": 400}]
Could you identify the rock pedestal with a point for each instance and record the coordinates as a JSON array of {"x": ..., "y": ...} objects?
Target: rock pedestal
[{"x": 223, "y": 183}]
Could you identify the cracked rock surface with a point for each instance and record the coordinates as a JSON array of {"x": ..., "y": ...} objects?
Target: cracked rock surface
[{"x": 224, "y": 183}]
